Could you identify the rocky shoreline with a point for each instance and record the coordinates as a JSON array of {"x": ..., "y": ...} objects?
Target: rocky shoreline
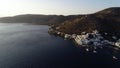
[{"x": 85, "y": 39}]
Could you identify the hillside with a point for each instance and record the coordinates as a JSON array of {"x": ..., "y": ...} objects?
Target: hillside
[
  {"x": 105, "y": 21},
  {"x": 36, "y": 19}
]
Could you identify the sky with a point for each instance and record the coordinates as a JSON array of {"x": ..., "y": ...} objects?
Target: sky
[{"x": 57, "y": 7}]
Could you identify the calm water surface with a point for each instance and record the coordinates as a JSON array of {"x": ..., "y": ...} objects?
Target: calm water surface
[{"x": 30, "y": 46}]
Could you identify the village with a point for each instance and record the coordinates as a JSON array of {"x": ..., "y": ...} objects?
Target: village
[{"x": 85, "y": 39}]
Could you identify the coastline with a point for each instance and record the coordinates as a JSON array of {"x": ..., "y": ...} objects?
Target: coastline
[{"x": 86, "y": 39}]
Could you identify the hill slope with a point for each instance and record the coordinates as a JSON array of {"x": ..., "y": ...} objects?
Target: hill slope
[
  {"x": 105, "y": 21},
  {"x": 36, "y": 19}
]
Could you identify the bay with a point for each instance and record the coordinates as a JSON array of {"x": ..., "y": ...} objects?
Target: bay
[{"x": 30, "y": 46}]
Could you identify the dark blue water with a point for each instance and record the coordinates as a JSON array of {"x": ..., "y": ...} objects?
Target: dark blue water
[{"x": 30, "y": 46}]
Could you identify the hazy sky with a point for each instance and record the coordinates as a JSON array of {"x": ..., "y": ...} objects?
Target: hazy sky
[{"x": 64, "y": 7}]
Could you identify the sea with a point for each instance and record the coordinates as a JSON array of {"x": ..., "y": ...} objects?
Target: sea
[{"x": 25, "y": 45}]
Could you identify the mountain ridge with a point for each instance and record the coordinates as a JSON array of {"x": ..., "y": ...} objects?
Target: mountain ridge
[
  {"x": 105, "y": 21},
  {"x": 37, "y": 19}
]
